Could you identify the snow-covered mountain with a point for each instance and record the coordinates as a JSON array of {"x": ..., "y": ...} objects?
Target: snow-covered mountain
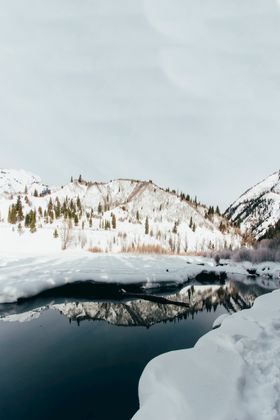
[
  {"x": 19, "y": 181},
  {"x": 121, "y": 215},
  {"x": 258, "y": 209}
]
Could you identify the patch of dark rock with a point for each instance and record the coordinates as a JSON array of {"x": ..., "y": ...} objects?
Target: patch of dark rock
[{"x": 252, "y": 272}]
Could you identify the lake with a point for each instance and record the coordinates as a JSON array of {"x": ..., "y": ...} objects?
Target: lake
[{"x": 69, "y": 357}]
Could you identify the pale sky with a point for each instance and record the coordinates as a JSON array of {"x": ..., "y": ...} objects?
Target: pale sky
[{"x": 183, "y": 92}]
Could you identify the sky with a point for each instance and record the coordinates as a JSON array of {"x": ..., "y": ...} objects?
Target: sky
[{"x": 183, "y": 92}]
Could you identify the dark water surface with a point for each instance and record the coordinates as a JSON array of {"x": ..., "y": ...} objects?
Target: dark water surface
[{"x": 51, "y": 368}]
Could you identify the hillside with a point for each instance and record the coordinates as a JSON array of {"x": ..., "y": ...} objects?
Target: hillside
[
  {"x": 257, "y": 211},
  {"x": 123, "y": 215}
]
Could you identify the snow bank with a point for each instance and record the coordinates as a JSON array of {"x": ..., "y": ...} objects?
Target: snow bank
[
  {"x": 25, "y": 275},
  {"x": 28, "y": 276},
  {"x": 218, "y": 322},
  {"x": 232, "y": 373}
]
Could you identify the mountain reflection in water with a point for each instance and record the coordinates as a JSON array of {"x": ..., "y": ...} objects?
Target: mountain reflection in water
[{"x": 146, "y": 311}]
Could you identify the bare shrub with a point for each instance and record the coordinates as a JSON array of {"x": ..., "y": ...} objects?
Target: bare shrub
[
  {"x": 265, "y": 250},
  {"x": 217, "y": 259},
  {"x": 95, "y": 249},
  {"x": 66, "y": 233},
  {"x": 144, "y": 249}
]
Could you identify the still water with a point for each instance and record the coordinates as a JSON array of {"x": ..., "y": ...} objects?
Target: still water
[{"x": 78, "y": 359}]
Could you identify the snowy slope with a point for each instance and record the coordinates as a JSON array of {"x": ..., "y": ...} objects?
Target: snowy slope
[
  {"x": 258, "y": 209},
  {"x": 14, "y": 181},
  {"x": 175, "y": 225},
  {"x": 241, "y": 360}
]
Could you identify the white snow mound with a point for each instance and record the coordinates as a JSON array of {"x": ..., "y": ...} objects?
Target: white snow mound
[{"x": 233, "y": 373}]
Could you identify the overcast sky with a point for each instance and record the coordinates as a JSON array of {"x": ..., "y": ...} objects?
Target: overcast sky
[{"x": 184, "y": 92}]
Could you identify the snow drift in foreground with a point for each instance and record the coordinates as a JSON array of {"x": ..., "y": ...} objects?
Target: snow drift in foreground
[
  {"x": 232, "y": 373},
  {"x": 22, "y": 277}
]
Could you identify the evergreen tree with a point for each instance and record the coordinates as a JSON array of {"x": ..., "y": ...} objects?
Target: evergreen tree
[
  {"x": 32, "y": 224},
  {"x": 79, "y": 206},
  {"x": 147, "y": 226},
  {"x": 64, "y": 207},
  {"x": 114, "y": 222},
  {"x": 27, "y": 220},
  {"x": 191, "y": 222},
  {"x": 99, "y": 208},
  {"x": 174, "y": 230},
  {"x": 80, "y": 179},
  {"x": 55, "y": 234},
  {"x": 76, "y": 220},
  {"x": 210, "y": 212},
  {"x": 12, "y": 215},
  {"x": 71, "y": 179},
  {"x": 72, "y": 205},
  {"x": 90, "y": 222},
  {"x": 19, "y": 210},
  {"x": 218, "y": 210},
  {"x": 137, "y": 216},
  {"x": 222, "y": 227},
  {"x": 50, "y": 206},
  {"x": 40, "y": 211},
  {"x": 107, "y": 225},
  {"x": 51, "y": 216},
  {"x": 57, "y": 209},
  {"x": 36, "y": 193}
]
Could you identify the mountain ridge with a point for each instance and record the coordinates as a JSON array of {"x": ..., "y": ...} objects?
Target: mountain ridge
[
  {"x": 122, "y": 215},
  {"x": 257, "y": 210}
]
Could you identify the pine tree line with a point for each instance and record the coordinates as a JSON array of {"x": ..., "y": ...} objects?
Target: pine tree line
[{"x": 15, "y": 213}]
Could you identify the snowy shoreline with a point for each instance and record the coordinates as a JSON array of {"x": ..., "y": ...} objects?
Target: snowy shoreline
[
  {"x": 234, "y": 370},
  {"x": 27, "y": 276}
]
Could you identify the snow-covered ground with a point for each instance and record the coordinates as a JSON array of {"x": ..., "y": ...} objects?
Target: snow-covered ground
[
  {"x": 25, "y": 276},
  {"x": 233, "y": 372}
]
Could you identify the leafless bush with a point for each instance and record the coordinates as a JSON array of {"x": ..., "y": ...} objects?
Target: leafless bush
[
  {"x": 265, "y": 250},
  {"x": 66, "y": 233},
  {"x": 95, "y": 249},
  {"x": 144, "y": 249}
]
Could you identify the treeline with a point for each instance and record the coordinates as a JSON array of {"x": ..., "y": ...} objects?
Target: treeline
[
  {"x": 15, "y": 214},
  {"x": 184, "y": 197},
  {"x": 273, "y": 231},
  {"x": 70, "y": 209}
]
